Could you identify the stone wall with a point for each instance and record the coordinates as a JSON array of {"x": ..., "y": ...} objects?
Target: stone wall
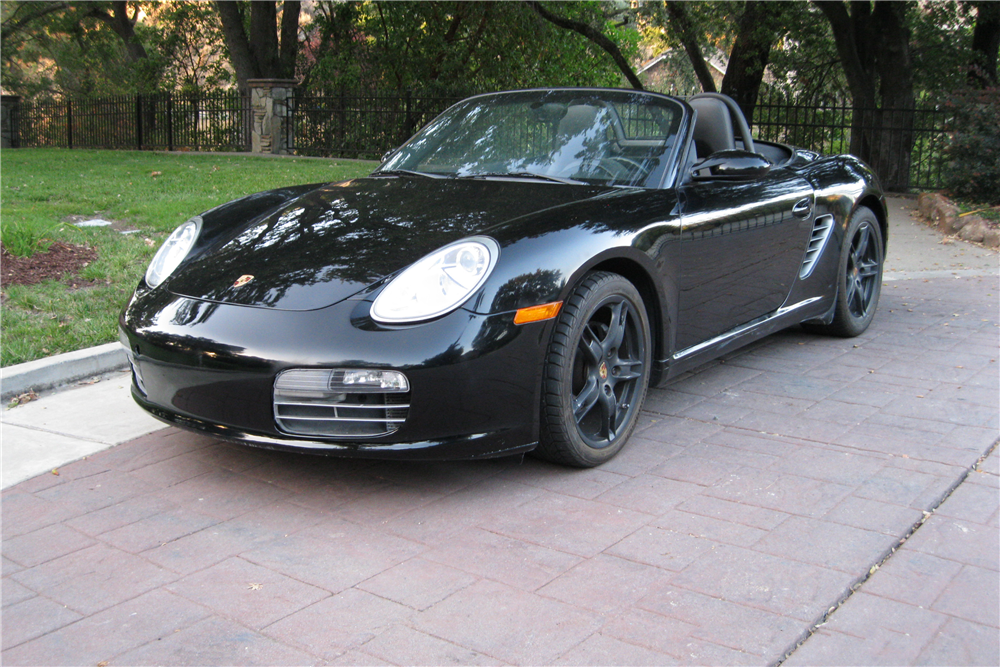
[{"x": 271, "y": 103}]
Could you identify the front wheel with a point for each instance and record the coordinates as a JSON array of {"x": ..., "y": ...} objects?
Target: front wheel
[
  {"x": 859, "y": 280},
  {"x": 596, "y": 372}
]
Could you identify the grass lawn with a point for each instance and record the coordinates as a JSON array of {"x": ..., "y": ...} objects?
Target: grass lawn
[{"x": 44, "y": 191}]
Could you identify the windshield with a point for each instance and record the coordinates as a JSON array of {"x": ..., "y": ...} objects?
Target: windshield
[{"x": 598, "y": 137}]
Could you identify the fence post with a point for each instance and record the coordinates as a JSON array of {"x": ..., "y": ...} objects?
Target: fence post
[
  {"x": 10, "y": 125},
  {"x": 138, "y": 122},
  {"x": 69, "y": 123},
  {"x": 170, "y": 121},
  {"x": 271, "y": 105}
]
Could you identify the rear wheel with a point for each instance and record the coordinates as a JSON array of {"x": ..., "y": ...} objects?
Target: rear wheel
[
  {"x": 596, "y": 372},
  {"x": 859, "y": 280}
]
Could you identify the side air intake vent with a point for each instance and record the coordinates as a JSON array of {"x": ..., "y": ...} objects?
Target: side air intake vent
[{"x": 820, "y": 233}]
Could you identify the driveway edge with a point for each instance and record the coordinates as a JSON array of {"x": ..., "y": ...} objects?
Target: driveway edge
[{"x": 61, "y": 369}]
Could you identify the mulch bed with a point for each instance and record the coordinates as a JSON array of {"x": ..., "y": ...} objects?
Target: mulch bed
[{"x": 59, "y": 260}]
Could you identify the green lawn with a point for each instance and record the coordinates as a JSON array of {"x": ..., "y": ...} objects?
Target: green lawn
[{"x": 42, "y": 191}]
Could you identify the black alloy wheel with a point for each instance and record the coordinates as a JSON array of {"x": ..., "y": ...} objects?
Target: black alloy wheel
[
  {"x": 860, "y": 277},
  {"x": 596, "y": 372}
]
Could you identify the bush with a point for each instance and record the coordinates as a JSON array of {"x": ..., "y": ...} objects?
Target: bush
[{"x": 974, "y": 146}]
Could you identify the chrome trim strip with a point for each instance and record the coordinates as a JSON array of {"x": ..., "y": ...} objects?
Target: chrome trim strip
[{"x": 746, "y": 328}]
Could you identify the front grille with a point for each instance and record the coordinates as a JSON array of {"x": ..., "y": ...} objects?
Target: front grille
[
  {"x": 821, "y": 231},
  {"x": 320, "y": 403}
]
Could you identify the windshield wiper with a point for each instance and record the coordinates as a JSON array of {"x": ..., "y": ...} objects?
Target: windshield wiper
[
  {"x": 525, "y": 174},
  {"x": 407, "y": 172}
]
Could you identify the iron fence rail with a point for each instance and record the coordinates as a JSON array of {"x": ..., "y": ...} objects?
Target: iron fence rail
[
  {"x": 367, "y": 124},
  {"x": 826, "y": 128},
  {"x": 166, "y": 122}
]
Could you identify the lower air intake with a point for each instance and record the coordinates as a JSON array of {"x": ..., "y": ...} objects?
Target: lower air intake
[{"x": 340, "y": 403}]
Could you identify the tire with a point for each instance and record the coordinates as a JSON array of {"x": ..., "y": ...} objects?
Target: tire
[
  {"x": 859, "y": 278},
  {"x": 596, "y": 372}
]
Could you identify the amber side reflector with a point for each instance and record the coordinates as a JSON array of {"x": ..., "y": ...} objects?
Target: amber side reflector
[{"x": 537, "y": 313}]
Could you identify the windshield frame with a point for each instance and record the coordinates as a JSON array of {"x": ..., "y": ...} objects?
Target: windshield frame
[{"x": 411, "y": 154}]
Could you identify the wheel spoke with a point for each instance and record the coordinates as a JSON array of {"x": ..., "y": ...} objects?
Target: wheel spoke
[
  {"x": 616, "y": 330},
  {"x": 868, "y": 269},
  {"x": 628, "y": 370},
  {"x": 609, "y": 415},
  {"x": 585, "y": 400},
  {"x": 862, "y": 248},
  {"x": 590, "y": 344}
]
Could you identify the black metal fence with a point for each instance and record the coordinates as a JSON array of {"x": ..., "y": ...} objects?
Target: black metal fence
[
  {"x": 368, "y": 124},
  {"x": 166, "y": 122},
  {"x": 826, "y": 128},
  {"x": 361, "y": 124}
]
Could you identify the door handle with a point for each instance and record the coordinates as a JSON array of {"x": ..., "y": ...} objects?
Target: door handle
[{"x": 802, "y": 208}]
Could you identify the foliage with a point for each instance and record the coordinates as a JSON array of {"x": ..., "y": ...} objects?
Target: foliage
[
  {"x": 446, "y": 46},
  {"x": 974, "y": 150},
  {"x": 42, "y": 189},
  {"x": 54, "y": 49}
]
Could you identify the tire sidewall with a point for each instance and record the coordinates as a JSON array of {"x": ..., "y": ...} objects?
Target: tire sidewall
[
  {"x": 851, "y": 325},
  {"x": 597, "y": 289}
]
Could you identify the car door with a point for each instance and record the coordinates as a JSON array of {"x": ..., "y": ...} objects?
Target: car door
[{"x": 742, "y": 244}]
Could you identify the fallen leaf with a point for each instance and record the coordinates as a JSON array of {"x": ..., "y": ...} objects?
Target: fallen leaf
[
  {"x": 55, "y": 471},
  {"x": 255, "y": 586},
  {"x": 156, "y": 173}
]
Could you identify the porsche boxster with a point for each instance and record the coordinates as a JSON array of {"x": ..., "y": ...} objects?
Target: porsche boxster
[{"x": 513, "y": 278}]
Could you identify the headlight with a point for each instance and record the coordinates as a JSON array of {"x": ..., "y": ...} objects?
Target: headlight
[
  {"x": 438, "y": 283},
  {"x": 173, "y": 251}
]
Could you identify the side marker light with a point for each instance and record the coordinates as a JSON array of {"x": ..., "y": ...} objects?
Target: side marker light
[{"x": 537, "y": 313}]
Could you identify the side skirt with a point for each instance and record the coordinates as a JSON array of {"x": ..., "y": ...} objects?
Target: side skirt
[{"x": 786, "y": 316}]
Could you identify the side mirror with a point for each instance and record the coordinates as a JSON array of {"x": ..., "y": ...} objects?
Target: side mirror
[{"x": 731, "y": 165}]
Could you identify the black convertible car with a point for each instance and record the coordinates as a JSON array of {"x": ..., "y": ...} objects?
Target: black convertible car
[{"x": 511, "y": 279}]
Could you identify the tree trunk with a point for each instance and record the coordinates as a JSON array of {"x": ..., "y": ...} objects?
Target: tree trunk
[
  {"x": 985, "y": 44},
  {"x": 264, "y": 39},
  {"x": 679, "y": 19},
  {"x": 237, "y": 43},
  {"x": 290, "y": 10},
  {"x": 874, "y": 47},
  {"x": 751, "y": 51}
]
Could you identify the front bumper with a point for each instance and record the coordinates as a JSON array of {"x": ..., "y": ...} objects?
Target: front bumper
[{"x": 474, "y": 379}]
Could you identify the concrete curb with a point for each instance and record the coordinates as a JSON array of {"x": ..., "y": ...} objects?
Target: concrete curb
[{"x": 61, "y": 369}]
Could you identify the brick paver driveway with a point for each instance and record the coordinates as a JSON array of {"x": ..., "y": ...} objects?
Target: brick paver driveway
[{"x": 757, "y": 493}]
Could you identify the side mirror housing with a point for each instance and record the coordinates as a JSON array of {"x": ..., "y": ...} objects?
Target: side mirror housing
[{"x": 732, "y": 164}]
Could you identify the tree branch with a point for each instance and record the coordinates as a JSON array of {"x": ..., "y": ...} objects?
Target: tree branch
[
  {"x": 594, "y": 35},
  {"x": 679, "y": 18}
]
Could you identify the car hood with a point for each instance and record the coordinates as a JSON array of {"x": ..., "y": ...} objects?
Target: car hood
[{"x": 335, "y": 241}]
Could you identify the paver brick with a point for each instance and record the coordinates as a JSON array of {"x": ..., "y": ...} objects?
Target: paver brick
[
  {"x": 35, "y": 616},
  {"x": 974, "y": 594},
  {"x": 400, "y": 645},
  {"x": 251, "y": 595},
  {"x": 724, "y": 623},
  {"x": 762, "y": 581},
  {"x": 94, "y": 578},
  {"x": 215, "y": 641},
  {"x": 960, "y": 642},
  {"x": 119, "y": 629},
  {"x": 511, "y": 625},
  {"x": 958, "y": 540},
  {"x": 568, "y": 524},
  {"x": 512, "y": 562},
  {"x": 417, "y": 583},
  {"x": 45, "y": 544},
  {"x": 605, "y": 584},
  {"x": 599, "y": 649},
  {"x": 339, "y": 623}
]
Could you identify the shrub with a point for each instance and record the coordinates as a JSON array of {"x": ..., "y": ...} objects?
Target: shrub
[{"x": 974, "y": 146}]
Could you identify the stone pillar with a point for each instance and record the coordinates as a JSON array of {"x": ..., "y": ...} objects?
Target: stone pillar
[
  {"x": 10, "y": 132},
  {"x": 271, "y": 103}
]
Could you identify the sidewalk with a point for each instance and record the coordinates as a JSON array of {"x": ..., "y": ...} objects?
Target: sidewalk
[{"x": 800, "y": 475}]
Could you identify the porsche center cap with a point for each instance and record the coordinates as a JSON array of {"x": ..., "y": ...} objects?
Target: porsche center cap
[{"x": 242, "y": 280}]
